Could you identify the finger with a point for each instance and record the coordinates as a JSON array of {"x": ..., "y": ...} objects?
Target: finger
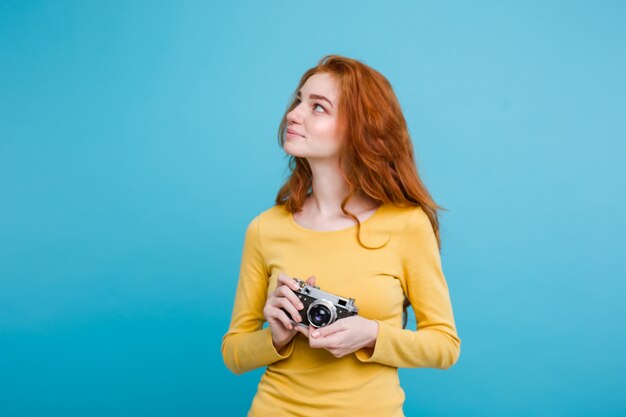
[
  {"x": 303, "y": 329},
  {"x": 284, "y": 292},
  {"x": 310, "y": 280},
  {"x": 284, "y": 279},
  {"x": 277, "y": 315},
  {"x": 288, "y": 306},
  {"x": 334, "y": 341},
  {"x": 326, "y": 331}
]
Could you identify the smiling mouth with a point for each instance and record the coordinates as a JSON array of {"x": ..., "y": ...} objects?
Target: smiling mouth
[{"x": 290, "y": 133}]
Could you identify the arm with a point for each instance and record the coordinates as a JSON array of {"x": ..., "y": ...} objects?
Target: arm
[
  {"x": 435, "y": 344},
  {"x": 247, "y": 345}
]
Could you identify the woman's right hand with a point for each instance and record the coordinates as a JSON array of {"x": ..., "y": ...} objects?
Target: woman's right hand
[{"x": 284, "y": 297}]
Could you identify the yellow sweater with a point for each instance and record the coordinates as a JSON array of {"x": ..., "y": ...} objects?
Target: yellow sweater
[{"x": 302, "y": 381}]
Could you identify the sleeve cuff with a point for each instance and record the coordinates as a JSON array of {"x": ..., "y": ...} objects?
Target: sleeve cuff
[
  {"x": 372, "y": 355},
  {"x": 284, "y": 353}
]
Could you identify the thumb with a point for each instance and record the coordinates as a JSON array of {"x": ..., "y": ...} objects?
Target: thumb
[
  {"x": 328, "y": 330},
  {"x": 310, "y": 280}
]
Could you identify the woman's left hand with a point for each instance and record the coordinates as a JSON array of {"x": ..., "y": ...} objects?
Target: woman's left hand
[{"x": 343, "y": 336}]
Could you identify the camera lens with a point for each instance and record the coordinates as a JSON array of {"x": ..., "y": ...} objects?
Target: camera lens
[{"x": 319, "y": 315}]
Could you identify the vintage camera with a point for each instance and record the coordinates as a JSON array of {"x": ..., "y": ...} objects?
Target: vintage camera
[{"x": 321, "y": 308}]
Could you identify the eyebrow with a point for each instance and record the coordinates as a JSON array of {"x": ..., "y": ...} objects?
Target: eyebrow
[{"x": 317, "y": 96}]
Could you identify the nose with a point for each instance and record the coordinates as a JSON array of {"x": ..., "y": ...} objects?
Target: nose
[{"x": 295, "y": 115}]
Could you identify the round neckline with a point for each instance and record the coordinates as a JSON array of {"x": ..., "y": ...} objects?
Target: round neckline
[{"x": 329, "y": 232}]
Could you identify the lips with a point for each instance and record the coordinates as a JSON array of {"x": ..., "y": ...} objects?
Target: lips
[{"x": 293, "y": 132}]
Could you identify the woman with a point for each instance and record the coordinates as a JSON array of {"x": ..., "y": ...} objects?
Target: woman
[{"x": 356, "y": 220}]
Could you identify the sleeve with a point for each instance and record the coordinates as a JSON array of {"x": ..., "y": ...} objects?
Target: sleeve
[
  {"x": 247, "y": 345},
  {"x": 435, "y": 344}
]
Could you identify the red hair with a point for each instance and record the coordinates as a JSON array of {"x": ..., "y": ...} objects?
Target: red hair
[{"x": 377, "y": 159}]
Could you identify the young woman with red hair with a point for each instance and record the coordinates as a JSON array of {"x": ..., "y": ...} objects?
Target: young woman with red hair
[{"x": 357, "y": 220}]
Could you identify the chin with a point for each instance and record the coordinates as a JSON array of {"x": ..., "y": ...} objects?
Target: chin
[{"x": 294, "y": 151}]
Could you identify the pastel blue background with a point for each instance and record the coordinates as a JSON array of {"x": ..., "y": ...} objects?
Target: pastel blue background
[{"x": 138, "y": 139}]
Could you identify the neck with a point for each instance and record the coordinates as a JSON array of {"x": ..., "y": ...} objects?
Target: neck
[{"x": 329, "y": 190}]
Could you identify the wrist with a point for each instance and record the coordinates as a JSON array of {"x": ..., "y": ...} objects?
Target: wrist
[
  {"x": 373, "y": 334},
  {"x": 281, "y": 343}
]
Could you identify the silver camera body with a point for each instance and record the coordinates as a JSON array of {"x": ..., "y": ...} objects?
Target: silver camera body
[{"x": 322, "y": 308}]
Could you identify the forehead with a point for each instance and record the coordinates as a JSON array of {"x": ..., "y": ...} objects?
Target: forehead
[{"x": 323, "y": 84}]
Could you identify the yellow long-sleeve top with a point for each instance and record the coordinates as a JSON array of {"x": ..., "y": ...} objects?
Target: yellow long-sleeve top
[{"x": 302, "y": 381}]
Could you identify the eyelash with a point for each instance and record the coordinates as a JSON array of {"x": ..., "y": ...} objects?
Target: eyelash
[{"x": 314, "y": 105}]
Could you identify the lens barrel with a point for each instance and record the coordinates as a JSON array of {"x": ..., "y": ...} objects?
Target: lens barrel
[{"x": 321, "y": 313}]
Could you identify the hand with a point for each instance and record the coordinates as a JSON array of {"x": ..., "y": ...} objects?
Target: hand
[
  {"x": 344, "y": 336},
  {"x": 283, "y": 297}
]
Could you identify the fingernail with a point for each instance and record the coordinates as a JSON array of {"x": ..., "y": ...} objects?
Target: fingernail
[
  {"x": 300, "y": 306},
  {"x": 315, "y": 333}
]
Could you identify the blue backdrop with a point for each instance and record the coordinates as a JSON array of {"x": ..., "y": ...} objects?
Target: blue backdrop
[{"x": 138, "y": 139}]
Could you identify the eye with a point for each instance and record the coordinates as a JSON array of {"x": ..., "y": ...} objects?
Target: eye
[{"x": 316, "y": 105}]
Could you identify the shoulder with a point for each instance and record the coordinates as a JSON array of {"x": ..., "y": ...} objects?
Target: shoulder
[
  {"x": 272, "y": 215},
  {"x": 407, "y": 219},
  {"x": 412, "y": 228},
  {"x": 396, "y": 223},
  {"x": 268, "y": 219},
  {"x": 416, "y": 233}
]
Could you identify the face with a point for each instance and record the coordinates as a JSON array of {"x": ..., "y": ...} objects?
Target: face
[{"x": 312, "y": 130}]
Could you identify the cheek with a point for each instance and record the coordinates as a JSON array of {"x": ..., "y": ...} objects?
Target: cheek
[{"x": 329, "y": 134}]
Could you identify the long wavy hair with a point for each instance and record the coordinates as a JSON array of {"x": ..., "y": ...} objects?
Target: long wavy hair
[{"x": 377, "y": 159}]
